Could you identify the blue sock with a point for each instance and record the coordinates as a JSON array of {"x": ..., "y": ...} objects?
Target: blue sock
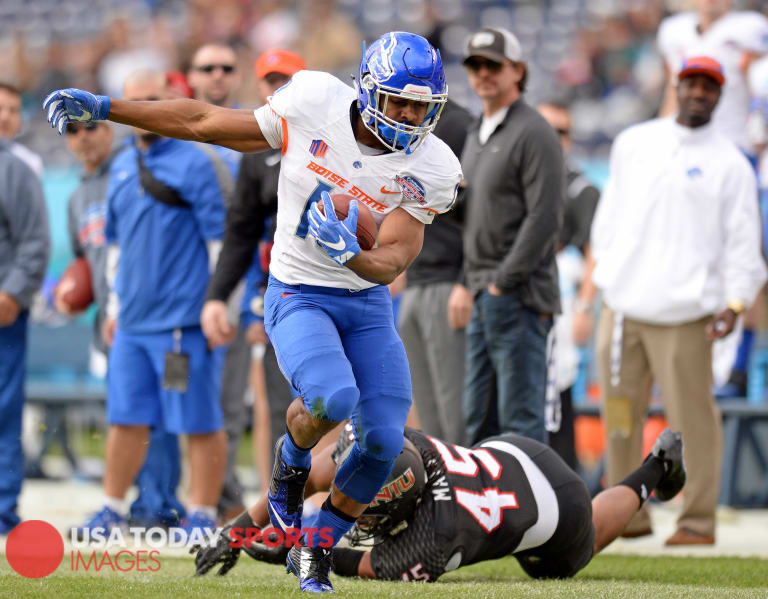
[
  {"x": 293, "y": 455},
  {"x": 335, "y": 522},
  {"x": 745, "y": 348}
]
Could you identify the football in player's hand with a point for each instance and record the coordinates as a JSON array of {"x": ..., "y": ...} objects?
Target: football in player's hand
[
  {"x": 75, "y": 289},
  {"x": 366, "y": 226}
]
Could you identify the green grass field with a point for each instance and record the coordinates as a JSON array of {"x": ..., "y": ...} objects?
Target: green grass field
[{"x": 607, "y": 576}]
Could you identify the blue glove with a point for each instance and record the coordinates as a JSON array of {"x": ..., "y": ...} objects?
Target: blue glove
[
  {"x": 337, "y": 238},
  {"x": 65, "y": 105}
]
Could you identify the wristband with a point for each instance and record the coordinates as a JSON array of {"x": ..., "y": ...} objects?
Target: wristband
[
  {"x": 736, "y": 306},
  {"x": 346, "y": 561},
  {"x": 582, "y": 306},
  {"x": 244, "y": 521},
  {"x": 103, "y": 105}
]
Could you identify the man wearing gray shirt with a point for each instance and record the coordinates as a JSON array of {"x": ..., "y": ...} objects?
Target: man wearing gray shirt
[
  {"x": 87, "y": 211},
  {"x": 24, "y": 251},
  {"x": 515, "y": 183}
]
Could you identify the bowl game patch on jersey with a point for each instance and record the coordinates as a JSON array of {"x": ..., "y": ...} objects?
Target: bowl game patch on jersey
[{"x": 412, "y": 189}]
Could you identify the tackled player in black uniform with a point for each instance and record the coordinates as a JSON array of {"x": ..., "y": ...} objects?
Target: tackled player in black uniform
[{"x": 445, "y": 506}]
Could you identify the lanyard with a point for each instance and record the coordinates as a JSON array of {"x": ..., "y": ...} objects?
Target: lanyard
[{"x": 616, "y": 339}]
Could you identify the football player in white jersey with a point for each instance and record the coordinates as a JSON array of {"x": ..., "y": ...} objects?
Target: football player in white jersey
[
  {"x": 734, "y": 39},
  {"x": 328, "y": 312}
]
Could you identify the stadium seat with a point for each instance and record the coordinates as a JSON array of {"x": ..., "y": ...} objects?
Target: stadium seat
[
  {"x": 744, "y": 481},
  {"x": 58, "y": 379}
]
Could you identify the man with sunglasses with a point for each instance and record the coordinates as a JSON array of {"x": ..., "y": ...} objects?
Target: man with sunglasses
[
  {"x": 24, "y": 251},
  {"x": 215, "y": 79},
  {"x": 514, "y": 173},
  {"x": 213, "y": 75}
]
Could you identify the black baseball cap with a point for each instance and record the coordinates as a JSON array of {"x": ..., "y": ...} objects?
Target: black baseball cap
[{"x": 494, "y": 43}]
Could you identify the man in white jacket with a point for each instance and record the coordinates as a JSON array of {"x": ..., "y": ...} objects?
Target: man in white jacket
[{"x": 676, "y": 242}]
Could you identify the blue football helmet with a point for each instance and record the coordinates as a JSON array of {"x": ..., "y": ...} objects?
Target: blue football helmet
[{"x": 404, "y": 65}]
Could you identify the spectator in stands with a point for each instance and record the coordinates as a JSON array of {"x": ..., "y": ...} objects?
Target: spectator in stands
[
  {"x": 165, "y": 219},
  {"x": 251, "y": 214},
  {"x": 214, "y": 78},
  {"x": 24, "y": 250},
  {"x": 10, "y": 125},
  {"x": 329, "y": 39},
  {"x": 577, "y": 292},
  {"x": 514, "y": 171},
  {"x": 676, "y": 242},
  {"x": 130, "y": 47},
  {"x": 436, "y": 306}
]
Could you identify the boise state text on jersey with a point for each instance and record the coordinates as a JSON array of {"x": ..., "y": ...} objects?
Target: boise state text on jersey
[{"x": 320, "y": 153}]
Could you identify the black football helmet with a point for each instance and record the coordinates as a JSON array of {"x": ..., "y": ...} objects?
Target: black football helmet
[{"x": 395, "y": 502}]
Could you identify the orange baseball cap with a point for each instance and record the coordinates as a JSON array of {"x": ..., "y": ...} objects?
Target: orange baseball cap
[
  {"x": 278, "y": 61},
  {"x": 702, "y": 65}
]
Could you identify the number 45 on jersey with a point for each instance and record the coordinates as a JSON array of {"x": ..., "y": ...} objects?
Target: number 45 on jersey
[{"x": 487, "y": 508}]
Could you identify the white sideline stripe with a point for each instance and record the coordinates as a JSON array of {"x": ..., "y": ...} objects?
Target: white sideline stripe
[{"x": 543, "y": 493}]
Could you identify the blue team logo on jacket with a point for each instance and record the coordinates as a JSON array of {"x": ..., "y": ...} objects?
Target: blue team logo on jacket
[
  {"x": 318, "y": 148},
  {"x": 412, "y": 188},
  {"x": 693, "y": 172}
]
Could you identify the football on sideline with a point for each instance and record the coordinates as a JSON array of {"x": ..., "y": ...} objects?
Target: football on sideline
[{"x": 75, "y": 285}]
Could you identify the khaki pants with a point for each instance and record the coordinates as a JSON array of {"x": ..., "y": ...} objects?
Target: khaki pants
[{"x": 679, "y": 359}]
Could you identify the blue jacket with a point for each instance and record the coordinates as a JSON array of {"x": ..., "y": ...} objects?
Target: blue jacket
[{"x": 163, "y": 269}]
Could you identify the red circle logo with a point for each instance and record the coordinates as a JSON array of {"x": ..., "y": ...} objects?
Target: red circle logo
[{"x": 34, "y": 549}]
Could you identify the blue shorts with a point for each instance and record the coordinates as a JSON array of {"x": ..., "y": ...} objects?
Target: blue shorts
[
  {"x": 135, "y": 394},
  {"x": 342, "y": 355}
]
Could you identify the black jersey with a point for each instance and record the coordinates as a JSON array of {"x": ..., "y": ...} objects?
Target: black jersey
[
  {"x": 254, "y": 202},
  {"x": 478, "y": 504},
  {"x": 506, "y": 495}
]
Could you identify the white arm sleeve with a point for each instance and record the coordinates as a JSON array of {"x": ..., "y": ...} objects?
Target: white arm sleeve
[
  {"x": 214, "y": 249},
  {"x": 113, "y": 258},
  {"x": 271, "y": 125}
]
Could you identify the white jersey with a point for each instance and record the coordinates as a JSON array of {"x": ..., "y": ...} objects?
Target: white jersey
[
  {"x": 727, "y": 40},
  {"x": 320, "y": 153}
]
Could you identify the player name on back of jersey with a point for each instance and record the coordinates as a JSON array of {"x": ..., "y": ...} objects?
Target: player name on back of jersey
[{"x": 343, "y": 183}]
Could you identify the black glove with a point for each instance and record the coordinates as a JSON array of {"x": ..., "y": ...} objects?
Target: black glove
[
  {"x": 219, "y": 553},
  {"x": 263, "y": 553}
]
